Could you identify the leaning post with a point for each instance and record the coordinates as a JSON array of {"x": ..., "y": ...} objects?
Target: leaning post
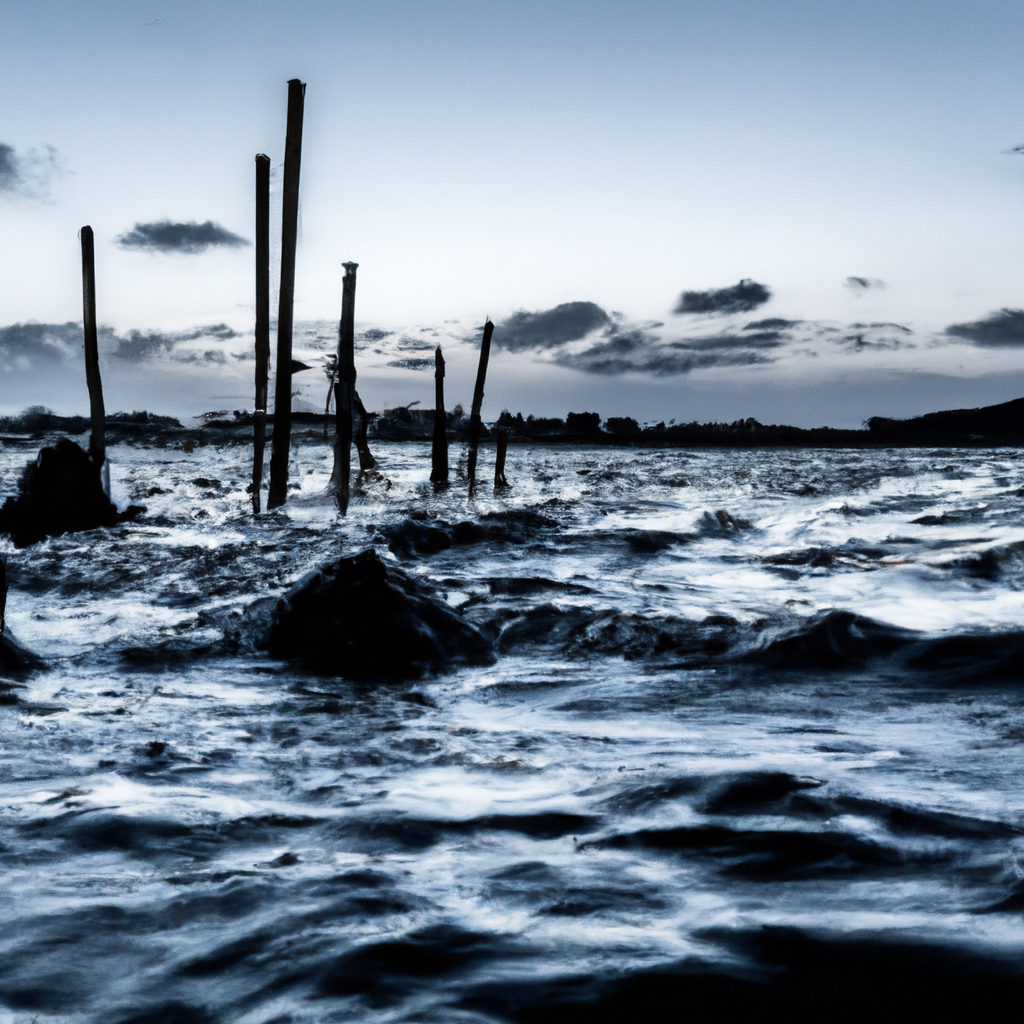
[
  {"x": 478, "y": 400},
  {"x": 439, "y": 449},
  {"x": 97, "y": 440},
  {"x": 345, "y": 389},
  {"x": 289, "y": 238},
  {"x": 259, "y": 417}
]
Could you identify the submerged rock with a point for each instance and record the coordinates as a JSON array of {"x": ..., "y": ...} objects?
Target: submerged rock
[
  {"x": 361, "y": 618},
  {"x": 59, "y": 493}
]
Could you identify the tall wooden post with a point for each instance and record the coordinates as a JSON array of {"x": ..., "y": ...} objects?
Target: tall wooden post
[
  {"x": 97, "y": 440},
  {"x": 439, "y": 450},
  {"x": 478, "y": 400},
  {"x": 499, "y": 459},
  {"x": 259, "y": 418},
  {"x": 345, "y": 389},
  {"x": 289, "y": 238}
]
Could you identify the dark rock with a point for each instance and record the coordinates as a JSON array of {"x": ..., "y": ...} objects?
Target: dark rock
[
  {"x": 58, "y": 493},
  {"x": 361, "y": 618},
  {"x": 833, "y": 640},
  {"x": 16, "y": 661}
]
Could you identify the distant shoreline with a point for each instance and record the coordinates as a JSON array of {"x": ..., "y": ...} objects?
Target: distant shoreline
[{"x": 992, "y": 426}]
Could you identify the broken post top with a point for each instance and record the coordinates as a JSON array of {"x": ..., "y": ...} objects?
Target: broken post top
[
  {"x": 438, "y": 362},
  {"x": 350, "y": 268}
]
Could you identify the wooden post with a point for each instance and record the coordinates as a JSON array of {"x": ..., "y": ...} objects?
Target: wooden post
[
  {"x": 478, "y": 399},
  {"x": 499, "y": 459},
  {"x": 439, "y": 451},
  {"x": 259, "y": 417},
  {"x": 345, "y": 388},
  {"x": 366, "y": 459},
  {"x": 97, "y": 441},
  {"x": 289, "y": 238}
]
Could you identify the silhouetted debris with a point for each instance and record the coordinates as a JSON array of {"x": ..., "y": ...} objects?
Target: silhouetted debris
[
  {"x": 60, "y": 492},
  {"x": 361, "y": 618}
]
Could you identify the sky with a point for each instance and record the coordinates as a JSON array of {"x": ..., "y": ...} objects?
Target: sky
[{"x": 834, "y": 186}]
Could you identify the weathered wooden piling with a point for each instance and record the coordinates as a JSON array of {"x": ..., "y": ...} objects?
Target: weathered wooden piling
[
  {"x": 259, "y": 418},
  {"x": 345, "y": 389},
  {"x": 366, "y": 459},
  {"x": 289, "y": 237},
  {"x": 499, "y": 459},
  {"x": 478, "y": 400},
  {"x": 97, "y": 440},
  {"x": 439, "y": 449}
]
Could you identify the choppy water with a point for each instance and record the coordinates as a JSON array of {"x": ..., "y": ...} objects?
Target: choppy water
[{"x": 652, "y": 798}]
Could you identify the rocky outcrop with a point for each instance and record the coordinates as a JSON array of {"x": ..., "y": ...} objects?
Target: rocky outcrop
[
  {"x": 361, "y": 618},
  {"x": 60, "y": 492}
]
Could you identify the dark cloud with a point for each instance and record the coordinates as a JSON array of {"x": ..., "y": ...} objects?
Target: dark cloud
[
  {"x": 773, "y": 323},
  {"x": 375, "y": 334},
  {"x": 1015, "y": 150},
  {"x": 169, "y": 236},
  {"x": 739, "y": 298},
  {"x": 412, "y": 363},
  {"x": 1004, "y": 329},
  {"x": 862, "y": 284},
  {"x": 729, "y": 342},
  {"x": 637, "y": 351},
  {"x": 31, "y": 174},
  {"x": 549, "y": 328}
]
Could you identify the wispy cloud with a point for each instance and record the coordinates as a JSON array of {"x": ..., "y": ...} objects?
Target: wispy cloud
[
  {"x": 189, "y": 238},
  {"x": 738, "y": 298},
  {"x": 859, "y": 285},
  {"x": 1004, "y": 329},
  {"x": 29, "y": 175}
]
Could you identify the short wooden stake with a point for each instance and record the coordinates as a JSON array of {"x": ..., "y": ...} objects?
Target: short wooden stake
[
  {"x": 439, "y": 449},
  {"x": 97, "y": 440},
  {"x": 366, "y": 459},
  {"x": 345, "y": 389},
  {"x": 289, "y": 239},
  {"x": 478, "y": 400},
  {"x": 259, "y": 416},
  {"x": 499, "y": 459}
]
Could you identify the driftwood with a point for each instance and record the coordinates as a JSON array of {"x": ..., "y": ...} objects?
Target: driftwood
[
  {"x": 499, "y": 459},
  {"x": 478, "y": 399},
  {"x": 345, "y": 389},
  {"x": 439, "y": 449},
  {"x": 289, "y": 238},
  {"x": 259, "y": 417}
]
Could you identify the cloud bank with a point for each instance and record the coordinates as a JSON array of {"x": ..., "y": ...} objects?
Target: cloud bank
[
  {"x": 189, "y": 238},
  {"x": 30, "y": 346},
  {"x": 739, "y": 298}
]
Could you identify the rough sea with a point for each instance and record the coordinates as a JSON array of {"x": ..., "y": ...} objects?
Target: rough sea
[{"x": 753, "y": 741}]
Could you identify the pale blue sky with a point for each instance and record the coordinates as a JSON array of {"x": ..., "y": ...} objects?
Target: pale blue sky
[{"x": 478, "y": 158}]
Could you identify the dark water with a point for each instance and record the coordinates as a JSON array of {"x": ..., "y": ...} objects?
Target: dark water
[{"x": 753, "y": 741}]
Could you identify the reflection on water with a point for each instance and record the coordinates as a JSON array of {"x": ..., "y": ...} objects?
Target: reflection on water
[{"x": 754, "y": 734}]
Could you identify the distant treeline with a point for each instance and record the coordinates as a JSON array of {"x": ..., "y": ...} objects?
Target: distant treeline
[{"x": 998, "y": 425}]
